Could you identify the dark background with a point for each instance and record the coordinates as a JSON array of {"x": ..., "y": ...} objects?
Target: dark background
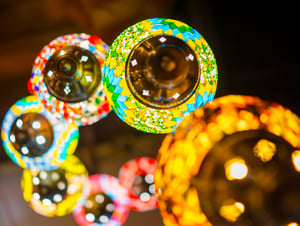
[{"x": 256, "y": 45}]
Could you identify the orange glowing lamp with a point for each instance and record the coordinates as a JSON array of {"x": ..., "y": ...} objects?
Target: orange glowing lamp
[{"x": 236, "y": 161}]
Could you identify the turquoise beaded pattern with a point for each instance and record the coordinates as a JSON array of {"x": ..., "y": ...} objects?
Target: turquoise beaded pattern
[
  {"x": 65, "y": 139},
  {"x": 123, "y": 102}
]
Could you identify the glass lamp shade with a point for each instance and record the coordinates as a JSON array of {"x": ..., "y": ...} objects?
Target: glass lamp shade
[
  {"x": 156, "y": 72},
  {"x": 137, "y": 175},
  {"x": 33, "y": 138},
  {"x": 55, "y": 192},
  {"x": 67, "y": 78},
  {"x": 234, "y": 162},
  {"x": 104, "y": 202}
]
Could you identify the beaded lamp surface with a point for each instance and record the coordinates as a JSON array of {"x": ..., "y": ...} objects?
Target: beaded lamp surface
[
  {"x": 234, "y": 162},
  {"x": 55, "y": 192},
  {"x": 67, "y": 78},
  {"x": 33, "y": 138},
  {"x": 137, "y": 175},
  {"x": 104, "y": 202},
  {"x": 158, "y": 71}
]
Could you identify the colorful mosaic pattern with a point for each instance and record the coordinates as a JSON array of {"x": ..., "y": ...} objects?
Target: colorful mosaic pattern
[
  {"x": 111, "y": 187},
  {"x": 122, "y": 100},
  {"x": 82, "y": 113},
  {"x": 65, "y": 139},
  {"x": 139, "y": 166},
  {"x": 182, "y": 153},
  {"x": 76, "y": 175}
]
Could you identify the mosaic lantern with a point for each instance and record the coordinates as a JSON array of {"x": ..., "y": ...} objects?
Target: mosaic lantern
[
  {"x": 55, "y": 192},
  {"x": 158, "y": 71},
  {"x": 104, "y": 202},
  {"x": 33, "y": 138},
  {"x": 67, "y": 78},
  {"x": 137, "y": 175},
  {"x": 234, "y": 162}
]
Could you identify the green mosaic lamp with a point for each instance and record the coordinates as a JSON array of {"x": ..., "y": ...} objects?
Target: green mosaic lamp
[{"x": 156, "y": 72}]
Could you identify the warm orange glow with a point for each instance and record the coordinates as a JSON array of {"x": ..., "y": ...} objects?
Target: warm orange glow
[
  {"x": 177, "y": 209},
  {"x": 181, "y": 155},
  {"x": 242, "y": 125},
  {"x": 293, "y": 224},
  {"x": 296, "y": 160},
  {"x": 236, "y": 169},
  {"x": 263, "y": 118},
  {"x": 231, "y": 212},
  {"x": 178, "y": 166},
  {"x": 264, "y": 150}
]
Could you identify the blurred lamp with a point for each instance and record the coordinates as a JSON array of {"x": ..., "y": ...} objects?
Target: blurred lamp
[
  {"x": 55, "y": 192},
  {"x": 137, "y": 175},
  {"x": 104, "y": 202},
  {"x": 234, "y": 162},
  {"x": 33, "y": 138}
]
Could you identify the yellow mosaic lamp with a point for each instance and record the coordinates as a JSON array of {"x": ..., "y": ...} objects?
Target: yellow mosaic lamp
[
  {"x": 55, "y": 192},
  {"x": 234, "y": 162},
  {"x": 156, "y": 72}
]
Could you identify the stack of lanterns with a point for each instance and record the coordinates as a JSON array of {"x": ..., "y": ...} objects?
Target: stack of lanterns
[
  {"x": 155, "y": 73},
  {"x": 236, "y": 161}
]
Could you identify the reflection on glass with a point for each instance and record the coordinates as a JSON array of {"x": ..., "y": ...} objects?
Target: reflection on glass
[{"x": 162, "y": 71}]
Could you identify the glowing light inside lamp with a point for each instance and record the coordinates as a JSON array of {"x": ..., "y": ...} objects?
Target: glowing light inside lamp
[
  {"x": 154, "y": 75},
  {"x": 235, "y": 161},
  {"x": 293, "y": 224},
  {"x": 236, "y": 169},
  {"x": 264, "y": 150},
  {"x": 67, "y": 78},
  {"x": 231, "y": 212},
  {"x": 33, "y": 138},
  {"x": 296, "y": 160}
]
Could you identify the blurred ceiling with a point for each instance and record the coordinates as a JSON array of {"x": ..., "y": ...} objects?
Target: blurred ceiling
[{"x": 256, "y": 47}]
